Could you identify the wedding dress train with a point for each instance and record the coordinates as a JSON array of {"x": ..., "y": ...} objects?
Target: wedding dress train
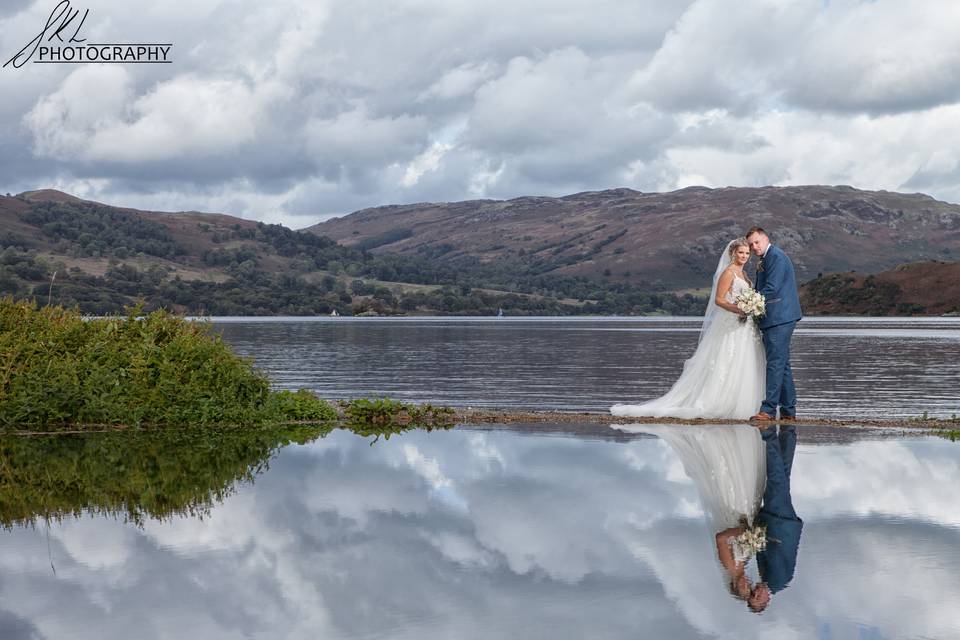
[{"x": 724, "y": 378}]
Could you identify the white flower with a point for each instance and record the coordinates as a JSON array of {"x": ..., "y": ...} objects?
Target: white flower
[
  {"x": 752, "y": 303},
  {"x": 752, "y": 540}
]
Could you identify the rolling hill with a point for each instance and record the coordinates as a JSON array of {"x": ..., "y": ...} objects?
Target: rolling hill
[
  {"x": 609, "y": 252},
  {"x": 922, "y": 288},
  {"x": 58, "y": 248},
  {"x": 664, "y": 241}
]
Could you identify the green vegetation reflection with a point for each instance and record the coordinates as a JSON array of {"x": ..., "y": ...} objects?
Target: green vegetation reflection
[{"x": 141, "y": 474}]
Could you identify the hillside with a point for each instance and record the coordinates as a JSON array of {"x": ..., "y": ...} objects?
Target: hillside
[
  {"x": 664, "y": 240},
  {"x": 925, "y": 288},
  {"x": 56, "y": 247}
]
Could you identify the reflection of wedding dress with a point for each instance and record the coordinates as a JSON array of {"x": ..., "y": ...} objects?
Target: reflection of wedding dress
[
  {"x": 724, "y": 378},
  {"x": 727, "y": 463}
]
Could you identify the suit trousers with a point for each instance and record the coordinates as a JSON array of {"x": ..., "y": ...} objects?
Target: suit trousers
[
  {"x": 780, "y": 447},
  {"x": 780, "y": 389}
]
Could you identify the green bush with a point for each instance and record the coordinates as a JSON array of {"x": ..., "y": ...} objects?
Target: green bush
[
  {"x": 361, "y": 412},
  {"x": 301, "y": 406},
  {"x": 57, "y": 368}
]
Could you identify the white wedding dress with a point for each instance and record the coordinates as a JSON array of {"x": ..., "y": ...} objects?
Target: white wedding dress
[
  {"x": 724, "y": 378},
  {"x": 727, "y": 463}
]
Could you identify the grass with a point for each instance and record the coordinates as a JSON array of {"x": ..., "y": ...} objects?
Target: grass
[
  {"x": 59, "y": 369},
  {"x": 925, "y": 417},
  {"x": 950, "y": 434}
]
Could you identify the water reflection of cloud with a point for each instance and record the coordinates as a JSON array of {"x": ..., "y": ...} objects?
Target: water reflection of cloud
[
  {"x": 914, "y": 478},
  {"x": 562, "y": 538}
]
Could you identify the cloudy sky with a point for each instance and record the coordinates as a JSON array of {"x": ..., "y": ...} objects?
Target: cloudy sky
[{"x": 295, "y": 110}]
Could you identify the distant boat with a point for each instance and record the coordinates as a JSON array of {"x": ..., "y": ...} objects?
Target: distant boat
[
  {"x": 499, "y": 312},
  {"x": 334, "y": 313}
]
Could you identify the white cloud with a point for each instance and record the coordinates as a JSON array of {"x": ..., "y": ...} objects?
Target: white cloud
[
  {"x": 807, "y": 148},
  {"x": 63, "y": 122},
  {"x": 356, "y": 137},
  {"x": 884, "y": 56},
  {"x": 429, "y": 160},
  {"x": 183, "y": 117},
  {"x": 458, "y": 82},
  {"x": 299, "y": 110},
  {"x": 720, "y": 55}
]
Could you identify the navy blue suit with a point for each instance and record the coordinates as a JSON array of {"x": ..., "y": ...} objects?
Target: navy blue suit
[
  {"x": 779, "y": 560},
  {"x": 777, "y": 282}
]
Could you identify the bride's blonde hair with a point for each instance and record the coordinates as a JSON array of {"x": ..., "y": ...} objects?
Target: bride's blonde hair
[{"x": 736, "y": 244}]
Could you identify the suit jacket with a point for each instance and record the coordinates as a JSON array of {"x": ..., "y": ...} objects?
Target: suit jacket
[{"x": 777, "y": 282}]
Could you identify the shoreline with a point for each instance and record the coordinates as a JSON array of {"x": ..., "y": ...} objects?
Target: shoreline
[
  {"x": 509, "y": 416},
  {"x": 468, "y": 416}
]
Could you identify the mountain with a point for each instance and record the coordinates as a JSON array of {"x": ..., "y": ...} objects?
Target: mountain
[
  {"x": 664, "y": 241},
  {"x": 609, "y": 252}
]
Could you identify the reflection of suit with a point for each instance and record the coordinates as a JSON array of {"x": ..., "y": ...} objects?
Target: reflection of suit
[
  {"x": 777, "y": 283},
  {"x": 777, "y": 563}
]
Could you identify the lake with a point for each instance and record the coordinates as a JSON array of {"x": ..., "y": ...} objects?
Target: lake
[
  {"x": 844, "y": 367},
  {"x": 491, "y": 531},
  {"x": 476, "y": 532}
]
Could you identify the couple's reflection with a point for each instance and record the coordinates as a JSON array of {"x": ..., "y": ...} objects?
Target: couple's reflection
[
  {"x": 776, "y": 521},
  {"x": 742, "y": 474}
]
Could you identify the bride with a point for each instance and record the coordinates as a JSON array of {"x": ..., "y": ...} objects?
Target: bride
[{"x": 725, "y": 376}]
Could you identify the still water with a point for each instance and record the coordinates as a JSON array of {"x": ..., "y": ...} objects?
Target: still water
[
  {"x": 844, "y": 367},
  {"x": 475, "y": 532}
]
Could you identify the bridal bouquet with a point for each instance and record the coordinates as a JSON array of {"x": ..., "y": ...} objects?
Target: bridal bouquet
[
  {"x": 752, "y": 303},
  {"x": 752, "y": 540}
]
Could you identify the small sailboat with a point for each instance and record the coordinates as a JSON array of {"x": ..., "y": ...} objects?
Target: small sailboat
[
  {"x": 499, "y": 312},
  {"x": 334, "y": 313}
]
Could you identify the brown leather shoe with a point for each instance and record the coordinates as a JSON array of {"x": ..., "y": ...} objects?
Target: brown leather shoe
[
  {"x": 762, "y": 417},
  {"x": 788, "y": 418}
]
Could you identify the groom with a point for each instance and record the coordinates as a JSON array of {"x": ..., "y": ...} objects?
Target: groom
[{"x": 778, "y": 285}]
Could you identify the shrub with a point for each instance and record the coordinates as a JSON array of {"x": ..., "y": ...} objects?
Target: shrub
[
  {"x": 300, "y": 405},
  {"x": 57, "y": 368},
  {"x": 363, "y": 412}
]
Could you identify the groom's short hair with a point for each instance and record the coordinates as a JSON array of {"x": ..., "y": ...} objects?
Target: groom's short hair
[{"x": 754, "y": 230}]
